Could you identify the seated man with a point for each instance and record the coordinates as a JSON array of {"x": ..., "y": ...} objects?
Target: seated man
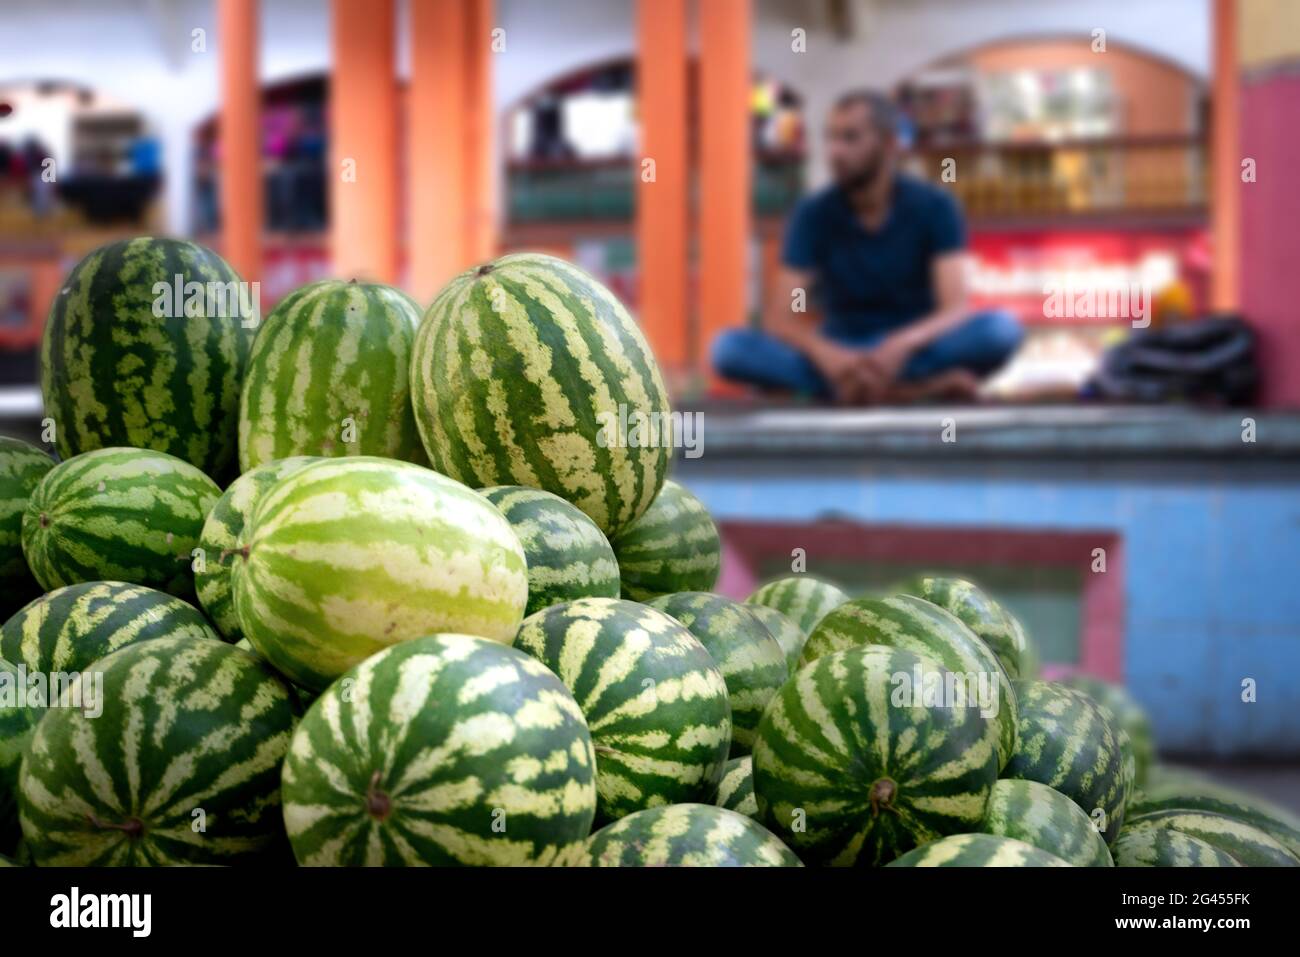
[{"x": 883, "y": 256}]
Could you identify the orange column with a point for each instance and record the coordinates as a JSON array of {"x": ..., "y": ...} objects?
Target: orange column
[
  {"x": 363, "y": 141},
  {"x": 240, "y": 143},
  {"x": 436, "y": 153},
  {"x": 662, "y": 178},
  {"x": 1225, "y": 159},
  {"x": 724, "y": 167},
  {"x": 480, "y": 139}
]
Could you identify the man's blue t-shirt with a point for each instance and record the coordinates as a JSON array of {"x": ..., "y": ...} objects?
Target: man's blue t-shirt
[{"x": 869, "y": 282}]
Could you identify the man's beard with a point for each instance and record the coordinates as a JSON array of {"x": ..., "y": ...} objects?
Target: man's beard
[{"x": 865, "y": 177}]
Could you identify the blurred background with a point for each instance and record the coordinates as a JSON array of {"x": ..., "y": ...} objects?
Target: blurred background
[{"x": 1100, "y": 143}]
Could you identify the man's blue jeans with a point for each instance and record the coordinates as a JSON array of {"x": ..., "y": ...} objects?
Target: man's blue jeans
[{"x": 980, "y": 345}]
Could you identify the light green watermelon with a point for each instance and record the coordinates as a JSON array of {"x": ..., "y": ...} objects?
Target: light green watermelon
[
  {"x": 995, "y": 626},
  {"x": 446, "y": 749},
  {"x": 1250, "y": 846},
  {"x": 685, "y": 835},
  {"x": 654, "y": 700},
  {"x": 525, "y": 371},
  {"x": 182, "y": 765},
  {"x": 788, "y": 635},
  {"x": 736, "y": 789},
  {"x": 127, "y": 362},
  {"x": 917, "y": 625},
  {"x": 568, "y": 556},
  {"x": 22, "y": 467},
  {"x": 803, "y": 599},
  {"x": 1069, "y": 742},
  {"x": 855, "y": 765},
  {"x": 348, "y": 556},
  {"x": 751, "y": 662},
  {"x": 978, "y": 850},
  {"x": 1036, "y": 814},
  {"x": 329, "y": 376},
  {"x": 673, "y": 547},
  {"x": 221, "y": 533},
  {"x": 128, "y": 515}
]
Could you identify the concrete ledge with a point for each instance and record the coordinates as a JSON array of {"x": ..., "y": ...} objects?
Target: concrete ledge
[{"x": 1131, "y": 433}]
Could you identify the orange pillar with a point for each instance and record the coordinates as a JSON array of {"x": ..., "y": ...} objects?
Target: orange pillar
[
  {"x": 662, "y": 178},
  {"x": 481, "y": 47},
  {"x": 724, "y": 167},
  {"x": 1225, "y": 159},
  {"x": 436, "y": 153},
  {"x": 363, "y": 141},
  {"x": 240, "y": 142}
]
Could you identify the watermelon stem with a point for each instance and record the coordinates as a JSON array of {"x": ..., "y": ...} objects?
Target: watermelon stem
[
  {"x": 378, "y": 804},
  {"x": 882, "y": 795},
  {"x": 133, "y": 827},
  {"x": 484, "y": 269}
]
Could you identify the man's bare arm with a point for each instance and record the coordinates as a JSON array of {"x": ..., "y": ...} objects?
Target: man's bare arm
[
  {"x": 950, "y": 276},
  {"x": 799, "y": 329}
]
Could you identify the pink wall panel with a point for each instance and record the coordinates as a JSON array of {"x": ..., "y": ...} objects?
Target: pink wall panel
[{"x": 1270, "y": 229}]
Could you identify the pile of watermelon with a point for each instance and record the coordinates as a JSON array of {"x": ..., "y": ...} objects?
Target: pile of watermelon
[{"x": 356, "y": 585}]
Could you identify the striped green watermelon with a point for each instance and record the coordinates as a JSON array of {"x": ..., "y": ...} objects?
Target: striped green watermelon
[
  {"x": 788, "y": 635},
  {"x": 22, "y": 467},
  {"x": 685, "y": 835},
  {"x": 1128, "y": 715},
  {"x": 673, "y": 547},
  {"x": 71, "y": 628},
  {"x": 526, "y": 371},
  {"x": 1250, "y": 846},
  {"x": 654, "y": 700},
  {"x": 1166, "y": 791},
  {"x": 994, "y": 625},
  {"x": 65, "y": 632},
  {"x": 1047, "y": 819},
  {"x": 446, "y": 749},
  {"x": 1163, "y": 847},
  {"x": 348, "y": 556},
  {"x": 329, "y": 376},
  {"x": 568, "y": 556},
  {"x": 919, "y": 626},
  {"x": 17, "y": 722},
  {"x": 304, "y": 697},
  {"x": 125, "y": 364},
  {"x": 751, "y": 662},
  {"x": 850, "y": 767},
  {"x": 978, "y": 850},
  {"x": 803, "y": 599},
  {"x": 129, "y": 515},
  {"x": 1068, "y": 742},
  {"x": 181, "y": 767},
  {"x": 736, "y": 789},
  {"x": 221, "y": 533}
]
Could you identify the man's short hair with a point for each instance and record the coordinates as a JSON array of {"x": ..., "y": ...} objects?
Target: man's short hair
[{"x": 884, "y": 114}]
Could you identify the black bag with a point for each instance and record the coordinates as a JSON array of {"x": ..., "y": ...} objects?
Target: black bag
[{"x": 1201, "y": 360}]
